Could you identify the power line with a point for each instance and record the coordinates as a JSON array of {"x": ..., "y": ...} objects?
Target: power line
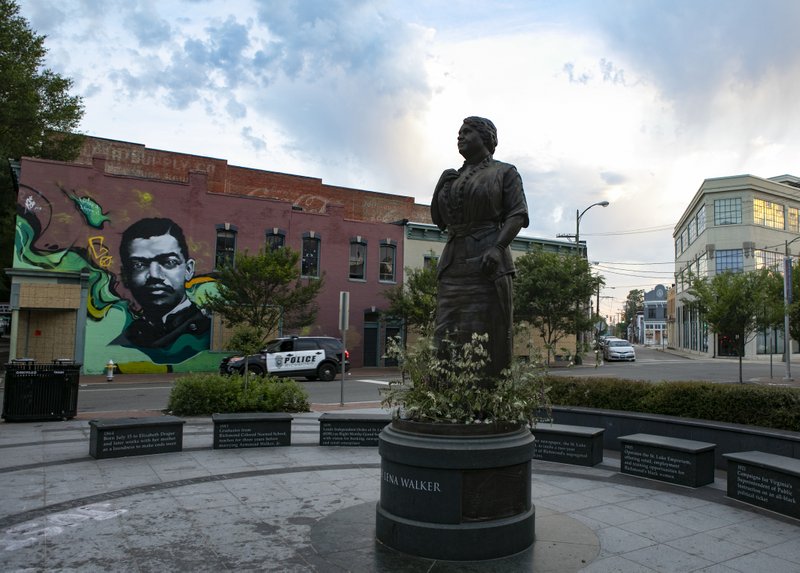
[
  {"x": 630, "y": 231},
  {"x": 632, "y": 264}
]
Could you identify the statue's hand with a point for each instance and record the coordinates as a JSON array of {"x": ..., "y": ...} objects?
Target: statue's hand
[
  {"x": 447, "y": 175},
  {"x": 490, "y": 261}
]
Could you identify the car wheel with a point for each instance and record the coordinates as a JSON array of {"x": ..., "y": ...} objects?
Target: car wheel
[
  {"x": 326, "y": 372},
  {"x": 256, "y": 370}
]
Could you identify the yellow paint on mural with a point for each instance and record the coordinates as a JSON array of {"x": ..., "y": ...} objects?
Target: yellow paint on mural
[{"x": 141, "y": 368}]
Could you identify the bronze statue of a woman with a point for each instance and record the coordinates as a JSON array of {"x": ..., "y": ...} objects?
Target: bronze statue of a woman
[{"x": 482, "y": 207}]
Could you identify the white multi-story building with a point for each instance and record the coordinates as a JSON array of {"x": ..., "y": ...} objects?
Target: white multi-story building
[{"x": 738, "y": 223}]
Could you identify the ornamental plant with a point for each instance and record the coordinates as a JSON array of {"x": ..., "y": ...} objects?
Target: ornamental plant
[{"x": 449, "y": 386}]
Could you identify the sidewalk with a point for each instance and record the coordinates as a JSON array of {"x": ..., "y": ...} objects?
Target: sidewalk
[{"x": 305, "y": 508}]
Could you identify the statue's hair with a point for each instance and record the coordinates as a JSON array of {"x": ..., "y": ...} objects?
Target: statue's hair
[{"x": 485, "y": 129}]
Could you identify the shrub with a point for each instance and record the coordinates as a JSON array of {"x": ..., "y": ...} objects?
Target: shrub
[
  {"x": 449, "y": 386},
  {"x": 749, "y": 404},
  {"x": 204, "y": 394}
]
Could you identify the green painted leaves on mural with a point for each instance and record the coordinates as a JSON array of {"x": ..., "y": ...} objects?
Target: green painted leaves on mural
[{"x": 90, "y": 210}]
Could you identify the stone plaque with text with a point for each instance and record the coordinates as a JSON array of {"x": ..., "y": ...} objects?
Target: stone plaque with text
[
  {"x": 673, "y": 460},
  {"x": 351, "y": 429},
  {"x": 116, "y": 438},
  {"x": 568, "y": 444},
  {"x": 252, "y": 430},
  {"x": 765, "y": 480}
]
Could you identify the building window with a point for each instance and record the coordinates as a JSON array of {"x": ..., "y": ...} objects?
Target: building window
[
  {"x": 309, "y": 258},
  {"x": 430, "y": 261},
  {"x": 678, "y": 246},
  {"x": 691, "y": 230},
  {"x": 768, "y": 260},
  {"x": 728, "y": 211},
  {"x": 729, "y": 260},
  {"x": 226, "y": 246},
  {"x": 701, "y": 220},
  {"x": 275, "y": 238},
  {"x": 387, "y": 257},
  {"x": 767, "y": 213},
  {"x": 793, "y": 223},
  {"x": 358, "y": 258}
]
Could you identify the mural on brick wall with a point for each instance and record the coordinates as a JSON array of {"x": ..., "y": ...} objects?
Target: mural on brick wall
[{"x": 145, "y": 292}]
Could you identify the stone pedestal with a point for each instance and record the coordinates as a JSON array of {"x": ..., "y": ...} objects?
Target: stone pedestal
[{"x": 455, "y": 492}]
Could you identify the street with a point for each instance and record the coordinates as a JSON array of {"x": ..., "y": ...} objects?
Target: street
[
  {"x": 657, "y": 365},
  {"x": 120, "y": 396},
  {"x": 364, "y": 387}
]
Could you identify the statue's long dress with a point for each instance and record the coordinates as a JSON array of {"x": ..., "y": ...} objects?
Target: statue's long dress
[{"x": 472, "y": 204}]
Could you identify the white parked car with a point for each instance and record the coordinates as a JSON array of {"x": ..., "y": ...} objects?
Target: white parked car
[{"x": 619, "y": 350}]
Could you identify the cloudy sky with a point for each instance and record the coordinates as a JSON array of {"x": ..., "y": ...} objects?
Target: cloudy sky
[{"x": 631, "y": 101}]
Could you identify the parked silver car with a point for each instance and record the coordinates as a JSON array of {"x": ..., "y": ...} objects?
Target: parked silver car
[{"x": 618, "y": 349}]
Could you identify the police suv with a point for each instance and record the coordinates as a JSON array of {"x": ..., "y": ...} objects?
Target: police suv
[{"x": 315, "y": 357}]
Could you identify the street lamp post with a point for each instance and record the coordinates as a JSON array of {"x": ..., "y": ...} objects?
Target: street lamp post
[
  {"x": 578, "y": 216},
  {"x": 787, "y": 299}
]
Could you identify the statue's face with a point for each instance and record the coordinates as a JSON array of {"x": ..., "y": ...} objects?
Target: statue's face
[{"x": 470, "y": 144}]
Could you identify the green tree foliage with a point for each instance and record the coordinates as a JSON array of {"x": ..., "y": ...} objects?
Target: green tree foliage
[
  {"x": 738, "y": 304},
  {"x": 264, "y": 289},
  {"x": 794, "y": 307},
  {"x": 37, "y": 114},
  {"x": 550, "y": 291},
  {"x": 414, "y": 301},
  {"x": 633, "y": 304},
  {"x": 38, "y": 117}
]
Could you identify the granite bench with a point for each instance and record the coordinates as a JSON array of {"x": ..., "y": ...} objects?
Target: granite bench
[
  {"x": 252, "y": 430},
  {"x": 766, "y": 480},
  {"x": 674, "y": 460},
  {"x": 119, "y": 437},
  {"x": 341, "y": 429},
  {"x": 578, "y": 445}
]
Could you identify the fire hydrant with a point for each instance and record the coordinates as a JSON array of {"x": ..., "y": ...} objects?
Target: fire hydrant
[{"x": 110, "y": 370}]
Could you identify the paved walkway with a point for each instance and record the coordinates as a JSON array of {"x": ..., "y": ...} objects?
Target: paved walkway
[{"x": 307, "y": 508}]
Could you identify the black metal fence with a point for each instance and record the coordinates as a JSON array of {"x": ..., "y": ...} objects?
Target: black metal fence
[{"x": 40, "y": 391}]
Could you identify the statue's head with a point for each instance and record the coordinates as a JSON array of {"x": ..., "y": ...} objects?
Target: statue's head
[{"x": 486, "y": 129}]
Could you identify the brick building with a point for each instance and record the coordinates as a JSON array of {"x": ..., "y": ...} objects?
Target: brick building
[{"x": 70, "y": 300}]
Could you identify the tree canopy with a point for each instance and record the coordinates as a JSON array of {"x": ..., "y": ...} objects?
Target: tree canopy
[
  {"x": 37, "y": 114},
  {"x": 264, "y": 289},
  {"x": 549, "y": 292},
  {"x": 414, "y": 301},
  {"x": 738, "y": 304}
]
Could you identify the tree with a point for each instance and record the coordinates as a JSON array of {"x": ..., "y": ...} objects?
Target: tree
[
  {"x": 415, "y": 301},
  {"x": 37, "y": 114},
  {"x": 547, "y": 288},
  {"x": 633, "y": 305},
  {"x": 38, "y": 117},
  {"x": 264, "y": 289},
  {"x": 738, "y": 304}
]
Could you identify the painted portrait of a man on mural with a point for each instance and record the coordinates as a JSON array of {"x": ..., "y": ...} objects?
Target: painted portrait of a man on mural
[{"x": 155, "y": 268}]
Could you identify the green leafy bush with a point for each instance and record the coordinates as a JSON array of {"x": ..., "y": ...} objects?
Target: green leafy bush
[
  {"x": 755, "y": 405},
  {"x": 452, "y": 389},
  {"x": 204, "y": 394}
]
